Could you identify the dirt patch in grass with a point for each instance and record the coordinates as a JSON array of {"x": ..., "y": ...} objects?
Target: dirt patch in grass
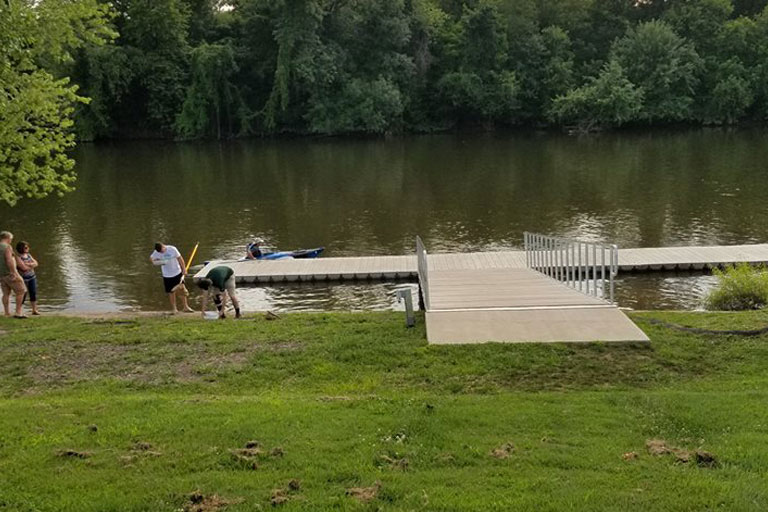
[
  {"x": 198, "y": 502},
  {"x": 254, "y": 453},
  {"x": 659, "y": 447},
  {"x": 630, "y": 456},
  {"x": 393, "y": 462},
  {"x": 73, "y": 454},
  {"x": 283, "y": 495},
  {"x": 504, "y": 451},
  {"x": 49, "y": 364},
  {"x": 364, "y": 494}
]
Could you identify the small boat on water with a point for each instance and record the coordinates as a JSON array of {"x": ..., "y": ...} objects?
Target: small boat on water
[
  {"x": 256, "y": 250},
  {"x": 289, "y": 255},
  {"x": 264, "y": 253}
]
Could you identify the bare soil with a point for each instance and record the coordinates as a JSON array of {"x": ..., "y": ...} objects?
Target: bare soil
[{"x": 48, "y": 364}]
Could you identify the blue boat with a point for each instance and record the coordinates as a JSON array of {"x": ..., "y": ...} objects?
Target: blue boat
[
  {"x": 285, "y": 255},
  {"x": 257, "y": 252}
]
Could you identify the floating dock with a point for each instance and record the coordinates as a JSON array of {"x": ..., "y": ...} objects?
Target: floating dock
[{"x": 405, "y": 267}]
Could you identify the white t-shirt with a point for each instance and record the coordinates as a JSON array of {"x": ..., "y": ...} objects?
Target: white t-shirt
[{"x": 170, "y": 263}]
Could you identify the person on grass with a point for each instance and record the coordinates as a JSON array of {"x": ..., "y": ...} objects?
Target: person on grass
[
  {"x": 220, "y": 284},
  {"x": 10, "y": 279},
  {"x": 172, "y": 264},
  {"x": 27, "y": 264}
]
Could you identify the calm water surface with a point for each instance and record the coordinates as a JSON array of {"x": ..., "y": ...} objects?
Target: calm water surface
[{"x": 366, "y": 197}]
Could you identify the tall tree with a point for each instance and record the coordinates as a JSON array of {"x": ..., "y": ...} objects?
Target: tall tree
[
  {"x": 35, "y": 105},
  {"x": 664, "y": 65}
]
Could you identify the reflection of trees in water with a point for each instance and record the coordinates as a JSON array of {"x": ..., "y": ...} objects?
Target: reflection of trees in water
[{"x": 358, "y": 196}]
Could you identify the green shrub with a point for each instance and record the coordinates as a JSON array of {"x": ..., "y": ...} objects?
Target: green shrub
[{"x": 740, "y": 287}]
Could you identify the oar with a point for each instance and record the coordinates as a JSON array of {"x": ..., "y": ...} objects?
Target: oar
[{"x": 191, "y": 257}]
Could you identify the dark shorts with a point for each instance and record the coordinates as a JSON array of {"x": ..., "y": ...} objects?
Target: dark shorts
[
  {"x": 31, "y": 288},
  {"x": 171, "y": 282}
]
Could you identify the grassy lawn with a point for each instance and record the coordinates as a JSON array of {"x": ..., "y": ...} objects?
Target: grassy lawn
[{"x": 356, "y": 412}]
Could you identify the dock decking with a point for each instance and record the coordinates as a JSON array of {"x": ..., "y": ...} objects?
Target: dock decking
[
  {"x": 405, "y": 267},
  {"x": 477, "y": 305}
]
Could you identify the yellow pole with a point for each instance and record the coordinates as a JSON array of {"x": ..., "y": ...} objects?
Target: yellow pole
[{"x": 191, "y": 257}]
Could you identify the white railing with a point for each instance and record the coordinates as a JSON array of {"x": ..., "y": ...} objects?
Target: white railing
[
  {"x": 421, "y": 255},
  {"x": 585, "y": 266}
]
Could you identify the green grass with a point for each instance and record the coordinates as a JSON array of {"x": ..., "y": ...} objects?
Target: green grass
[{"x": 352, "y": 399}]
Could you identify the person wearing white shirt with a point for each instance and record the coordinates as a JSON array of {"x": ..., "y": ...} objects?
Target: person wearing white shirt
[{"x": 172, "y": 265}]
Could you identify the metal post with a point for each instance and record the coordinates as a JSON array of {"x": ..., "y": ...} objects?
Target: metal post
[
  {"x": 564, "y": 250},
  {"x": 578, "y": 268},
  {"x": 563, "y": 264},
  {"x": 527, "y": 250},
  {"x": 550, "y": 265},
  {"x": 602, "y": 269},
  {"x": 540, "y": 251},
  {"x": 594, "y": 270},
  {"x": 406, "y": 295},
  {"x": 614, "y": 269}
]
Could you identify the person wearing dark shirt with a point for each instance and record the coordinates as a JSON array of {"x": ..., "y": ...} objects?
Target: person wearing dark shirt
[
  {"x": 219, "y": 283},
  {"x": 253, "y": 251}
]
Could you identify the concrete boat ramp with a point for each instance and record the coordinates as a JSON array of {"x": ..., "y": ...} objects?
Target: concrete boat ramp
[{"x": 556, "y": 290}]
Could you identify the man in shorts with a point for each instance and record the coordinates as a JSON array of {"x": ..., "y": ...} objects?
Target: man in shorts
[
  {"x": 10, "y": 279},
  {"x": 219, "y": 283},
  {"x": 172, "y": 264}
]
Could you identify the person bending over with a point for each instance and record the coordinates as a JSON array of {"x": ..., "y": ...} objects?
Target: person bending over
[{"x": 219, "y": 283}]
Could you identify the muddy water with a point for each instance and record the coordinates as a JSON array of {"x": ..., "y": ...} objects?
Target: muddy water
[{"x": 364, "y": 197}]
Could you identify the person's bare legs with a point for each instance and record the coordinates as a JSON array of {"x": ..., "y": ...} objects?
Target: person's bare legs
[
  {"x": 235, "y": 303},
  {"x": 223, "y": 310},
  {"x": 7, "y": 302},
  {"x": 20, "y": 303},
  {"x": 34, "y": 307}
]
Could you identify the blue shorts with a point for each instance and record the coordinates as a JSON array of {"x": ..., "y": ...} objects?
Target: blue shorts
[{"x": 31, "y": 288}]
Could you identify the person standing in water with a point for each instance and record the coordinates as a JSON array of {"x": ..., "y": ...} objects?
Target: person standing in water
[
  {"x": 27, "y": 265},
  {"x": 172, "y": 265},
  {"x": 10, "y": 279}
]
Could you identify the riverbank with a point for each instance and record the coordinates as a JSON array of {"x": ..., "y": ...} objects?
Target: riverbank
[{"x": 138, "y": 413}]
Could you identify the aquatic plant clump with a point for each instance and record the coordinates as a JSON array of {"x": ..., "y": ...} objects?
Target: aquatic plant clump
[{"x": 741, "y": 287}]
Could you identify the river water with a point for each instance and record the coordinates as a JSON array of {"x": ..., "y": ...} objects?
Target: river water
[{"x": 460, "y": 192}]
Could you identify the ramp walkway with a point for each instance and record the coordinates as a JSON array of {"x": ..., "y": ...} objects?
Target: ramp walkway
[
  {"x": 405, "y": 267},
  {"x": 475, "y": 300}
]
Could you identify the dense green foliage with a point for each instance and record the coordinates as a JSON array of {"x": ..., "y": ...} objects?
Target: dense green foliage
[
  {"x": 159, "y": 408},
  {"x": 35, "y": 106},
  {"x": 202, "y": 68},
  {"x": 209, "y": 68},
  {"x": 740, "y": 287}
]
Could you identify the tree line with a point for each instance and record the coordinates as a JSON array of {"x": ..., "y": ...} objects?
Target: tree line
[
  {"x": 187, "y": 69},
  {"x": 201, "y": 68}
]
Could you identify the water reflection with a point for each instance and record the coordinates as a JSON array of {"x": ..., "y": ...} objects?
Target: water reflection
[
  {"x": 672, "y": 290},
  {"x": 365, "y": 197}
]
